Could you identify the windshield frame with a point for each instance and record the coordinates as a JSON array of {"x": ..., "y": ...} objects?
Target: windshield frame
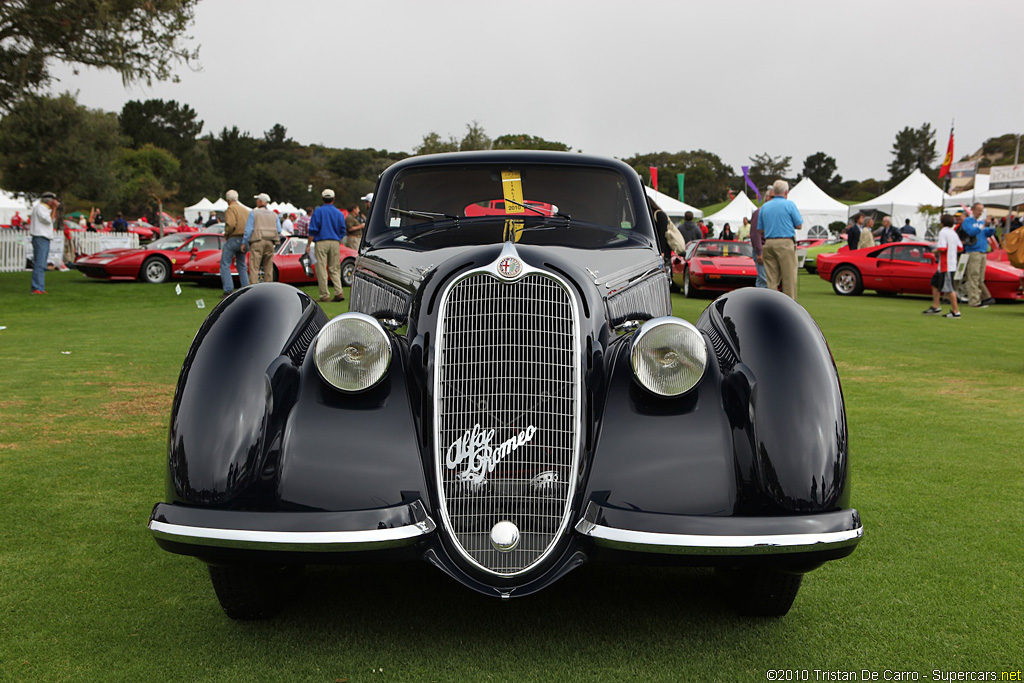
[{"x": 384, "y": 228}]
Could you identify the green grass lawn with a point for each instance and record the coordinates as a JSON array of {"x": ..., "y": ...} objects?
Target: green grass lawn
[{"x": 934, "y": 407}]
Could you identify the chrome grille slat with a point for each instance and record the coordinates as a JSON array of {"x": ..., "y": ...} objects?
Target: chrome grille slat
[{"x": 507, "y": 359}]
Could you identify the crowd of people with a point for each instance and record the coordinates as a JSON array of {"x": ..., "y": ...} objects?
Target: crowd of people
[
  {"x": 257, "y": 232},
  {"x": 772, "y": 230},
  {"x": 260, "y": 230}
]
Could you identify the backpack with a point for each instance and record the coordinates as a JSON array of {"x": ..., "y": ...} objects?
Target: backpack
[
  {"x": 968, "y": 240},
  {"x": 1014, "y": 244}
]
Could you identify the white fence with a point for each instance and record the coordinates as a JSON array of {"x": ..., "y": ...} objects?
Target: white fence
[{"x": 16, "y": 246}]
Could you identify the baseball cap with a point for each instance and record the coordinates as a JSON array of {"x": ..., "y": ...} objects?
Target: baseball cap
[
  {"x": 47, "y": 196},
  {"x": 263, "y": 197},
  {"x": 367, "y": 197},
  {"x": 231, "y": 195},
  {"x": 327, "y": 194}
]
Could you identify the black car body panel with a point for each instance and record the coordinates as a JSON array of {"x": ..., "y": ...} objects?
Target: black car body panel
[{"x": 270, "y": 463}]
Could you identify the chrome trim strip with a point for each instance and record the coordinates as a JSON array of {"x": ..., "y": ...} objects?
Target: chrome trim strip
[
  {"x": 692, "y": 544},
  {"x": 318, "y": 541}
]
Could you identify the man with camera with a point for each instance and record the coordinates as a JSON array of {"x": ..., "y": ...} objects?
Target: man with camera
[
  {"x": 976, "y": 246},
  {"x": 44, "y": 217}
]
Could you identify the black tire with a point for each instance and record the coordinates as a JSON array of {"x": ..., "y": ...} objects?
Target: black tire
[
  {"x": 348, "y": 269},
  {"x": 277, "y": 274},
  {"x": 155, "y": 270},
  {"x": 758, "y": 591},
  {"x": 846, "y": 281},
  {"x": 249, "y": 592},
  {"x": 689, "y": 291}
]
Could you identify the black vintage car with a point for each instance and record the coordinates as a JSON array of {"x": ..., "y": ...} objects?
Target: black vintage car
[{"x": 509, "y": 398}]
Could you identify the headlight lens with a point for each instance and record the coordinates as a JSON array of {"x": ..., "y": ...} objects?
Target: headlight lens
[
  {"x": 669, "y": 356},
  {"x": 352, "y": 352}
]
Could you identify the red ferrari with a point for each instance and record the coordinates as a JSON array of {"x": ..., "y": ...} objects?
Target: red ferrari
[
  {"x": 714, "y": 266},
  {"x": 287, "y": 268},
  {"x": 156, "y": 262},
  {"x": 906, "y": 268}
]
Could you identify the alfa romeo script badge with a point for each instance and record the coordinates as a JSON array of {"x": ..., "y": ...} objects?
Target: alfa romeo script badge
[{"x": 509, "y": 267}]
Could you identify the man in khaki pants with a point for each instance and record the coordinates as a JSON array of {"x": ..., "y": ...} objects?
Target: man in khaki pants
[
  {"x": 262, "y": 234},
  {"x": 326, "y": 230},
  {"x": 779, "y": 220}
]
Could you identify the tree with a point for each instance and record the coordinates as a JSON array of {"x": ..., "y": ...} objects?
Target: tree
[
  {"x": 433, "y": 144},
  {"x": 522, "y": 141},
  {"x": 147, "y": 178},
  {"x": 914, "y": 148},
  {"x": 766, "y": 169},
  {"x": 821, "y": 168},
  {"x": 474, "y": 139},
  {"x": 162, "y": 124},
  {"x": 234, "y": 155},
  {"x": 55, "y": 144},
  {"x": 140, "y": 39},
  {"x": 707, "y": 176}
]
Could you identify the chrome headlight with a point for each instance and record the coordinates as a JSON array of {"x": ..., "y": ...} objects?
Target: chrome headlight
[
  {"x": 669, "y": 356},
  {"x": 352, "y": 352}
]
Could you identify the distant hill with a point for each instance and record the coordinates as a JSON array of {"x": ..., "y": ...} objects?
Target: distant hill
[{"x": 995, "y": 151}]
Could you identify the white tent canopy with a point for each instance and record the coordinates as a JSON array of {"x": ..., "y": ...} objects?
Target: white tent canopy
[
  {"x": 672, "y": 207},
  {"x": 734, "y": 212},
  {"x": 219, "y": 205},
  {"x": 203, "y": 206},
  {"x": 981, "y": 193},
  {"x": 902, "y": 201},
  {"x": 816, "y": 208},
  {"x": 9, "y": 204}
]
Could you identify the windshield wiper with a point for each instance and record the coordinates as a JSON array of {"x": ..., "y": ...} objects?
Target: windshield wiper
[
  {"x": 425, "y": 215},
  {"x": 566, "y": 216}
]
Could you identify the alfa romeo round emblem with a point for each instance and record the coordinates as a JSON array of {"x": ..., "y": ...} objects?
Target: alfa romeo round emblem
[{"x": 509, "y": 267}]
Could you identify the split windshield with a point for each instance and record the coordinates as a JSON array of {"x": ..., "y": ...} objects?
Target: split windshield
[{"x": 537, "y": 204}]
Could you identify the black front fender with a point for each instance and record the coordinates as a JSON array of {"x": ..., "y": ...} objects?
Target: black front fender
[
  {"x": 782, "y": 395},
  {"x": 234, "y": 391}
]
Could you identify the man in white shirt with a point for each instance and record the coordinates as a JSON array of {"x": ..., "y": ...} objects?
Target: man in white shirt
[
  {"x": 44, "y": 216},
  {"x": 948, "y": 247}
]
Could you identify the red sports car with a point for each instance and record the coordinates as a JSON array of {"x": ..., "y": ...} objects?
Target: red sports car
[
  {"x": 714, "y": 266},
  {"x": 906, "y": 268},
  {"x": 287, "y": 268},
  {"x": 156, "y": 262}
]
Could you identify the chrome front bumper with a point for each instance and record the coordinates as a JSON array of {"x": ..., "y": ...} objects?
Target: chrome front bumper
[
  {"x": 637, "y": 531},
  {"x": 177, "y": 527}
]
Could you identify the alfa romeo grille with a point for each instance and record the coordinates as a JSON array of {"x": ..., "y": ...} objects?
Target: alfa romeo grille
[{"x": 507, "y": 395}]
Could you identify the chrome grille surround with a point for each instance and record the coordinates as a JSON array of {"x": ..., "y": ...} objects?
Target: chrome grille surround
[{"x": 507, "y": 391}]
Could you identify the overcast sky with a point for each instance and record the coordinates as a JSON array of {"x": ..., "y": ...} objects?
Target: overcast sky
[{"x": 737, "y": 78}]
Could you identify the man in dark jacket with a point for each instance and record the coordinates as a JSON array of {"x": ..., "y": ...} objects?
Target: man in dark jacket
[
  {"x": 853, "y": 232},
  {"x": 689, "y": 229},
  {"x": 757, "y": 241}
]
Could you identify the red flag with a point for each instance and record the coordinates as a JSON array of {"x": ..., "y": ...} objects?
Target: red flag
[
  {"x": 948, "y": 161},
  {"x": 654, "y": 176}
]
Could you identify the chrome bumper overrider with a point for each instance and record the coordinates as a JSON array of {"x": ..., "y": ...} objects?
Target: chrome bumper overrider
[
  {"x": 292, "y": 531},
  {"x": 701, "y": 535}
]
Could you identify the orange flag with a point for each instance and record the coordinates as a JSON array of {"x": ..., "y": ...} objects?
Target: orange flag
[{"x": 948, "y": 161}]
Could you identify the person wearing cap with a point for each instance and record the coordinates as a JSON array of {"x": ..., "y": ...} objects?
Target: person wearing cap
[
  {"x": 235, "y": 219},
  {"x": 973, "y": 226},
  {"x": 326, "y": 230},
  {"x": 354, "y": 227},
  {"x": 43, "y": 218},
  {"x": 261, "y": 237}
]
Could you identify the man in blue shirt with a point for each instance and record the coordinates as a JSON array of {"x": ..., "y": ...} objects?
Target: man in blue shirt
[
  {"x": 779, "y": 220},
  {"x": 978, "y": 295},
  {"x": 326, "y": 230}
]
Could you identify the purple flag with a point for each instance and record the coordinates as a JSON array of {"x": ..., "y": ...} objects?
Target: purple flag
[{"x": 751, "y": 185}]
